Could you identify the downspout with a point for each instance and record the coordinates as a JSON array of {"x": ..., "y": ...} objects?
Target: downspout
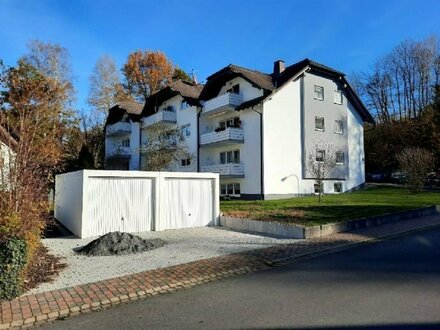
[
  {"x": 198, "y": 138},
  {"x": 261, "y": 154}
]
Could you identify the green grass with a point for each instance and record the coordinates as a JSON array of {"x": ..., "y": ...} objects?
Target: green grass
[{"x": 307, "y": 211}]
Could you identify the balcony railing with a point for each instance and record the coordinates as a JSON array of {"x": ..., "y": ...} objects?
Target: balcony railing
[
  {"x": 225, "y": 170},
  {"x": 118, "y": 129},
  {"x": 222, "y": 103},
  {"x": 161, "y": 117},
  {"x": 120, "y": 152},
  {"x": 221, "y": 138}
]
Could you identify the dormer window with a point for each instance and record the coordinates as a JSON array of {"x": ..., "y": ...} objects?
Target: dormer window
[
  {"x": 169, "y": 108},
  {"x": 183, "y": 105},
  {"x": 235, "y": 89}
]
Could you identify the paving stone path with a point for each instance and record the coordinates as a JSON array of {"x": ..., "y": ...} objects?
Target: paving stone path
[{"x": 30, "y": 310}]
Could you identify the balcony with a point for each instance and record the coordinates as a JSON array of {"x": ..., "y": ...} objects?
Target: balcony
[
  {"x": 118, "y": 129},
  {"x": 232, "y": 170},
  {"x": 161, "y": 117},
  {"x": 119, "y": 152},
  {"x": 223, "y": 103},
  {"x": 230, "y": 135}
]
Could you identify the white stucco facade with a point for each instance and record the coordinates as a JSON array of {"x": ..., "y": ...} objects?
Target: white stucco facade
[{"x": 258, "y": 138}]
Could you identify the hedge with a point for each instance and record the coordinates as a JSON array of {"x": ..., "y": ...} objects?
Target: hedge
[{"x": 12, "y": 262}]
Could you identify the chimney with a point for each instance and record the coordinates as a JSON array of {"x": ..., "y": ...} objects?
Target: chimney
[
  {"x": 194, "y": 78},
  {"x": 278, "y": 68}
]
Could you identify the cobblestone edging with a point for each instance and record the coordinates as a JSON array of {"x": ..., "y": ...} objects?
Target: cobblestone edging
[
  {"x": 300, "y": 232},
  {"x": 30, "y": 310}
]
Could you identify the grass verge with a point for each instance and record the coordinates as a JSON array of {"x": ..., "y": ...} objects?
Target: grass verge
[{"x": 307, "y": 211}]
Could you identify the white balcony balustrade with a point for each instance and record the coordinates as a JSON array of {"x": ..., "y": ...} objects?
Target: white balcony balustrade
[
  {"x": 161, "y": 117},
  {"x": 230, "y": 135},
  {"x": 225, "y": 170},
  {"x": 120, "y": 152},
  {"x": 222, "y": 103},
  {"x": 118, "y": 129}
]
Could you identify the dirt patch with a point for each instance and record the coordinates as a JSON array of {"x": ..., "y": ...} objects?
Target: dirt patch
[
  {"x": 117, "y": 243},
  {"x": 44, "y": 267},
  {"x": 282, "y": 216}
]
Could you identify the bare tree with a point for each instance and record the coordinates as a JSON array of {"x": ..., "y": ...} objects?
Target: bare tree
[
  {"x": 320, "y": 162},
  {"x": 416, "y": 164},
  {"x": 105, "y": 86},
  {"x": 164, "y": 148},
  {"x": 400, "y": 85}
]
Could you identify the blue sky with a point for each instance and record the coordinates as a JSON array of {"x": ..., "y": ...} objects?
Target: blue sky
[{"x": 347, "y": 35}]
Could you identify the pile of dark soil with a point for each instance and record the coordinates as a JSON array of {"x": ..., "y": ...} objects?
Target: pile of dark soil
[{"x": 117, "y": 243}]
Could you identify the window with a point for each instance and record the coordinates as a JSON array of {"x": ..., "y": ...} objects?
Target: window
[
  {"x": 169, "y": 108},
  {"x": 337, "y": 97},
  {"x": 230, "y": 189},
  {"x": 339, "y": 157},
  {"x": 339, "y": 126},
  {"x": 183, "y": 105},
  {"x": 320, "y": 155},
  {"x": 186, "y": 162},
  {"x": 185, "y": 130},
  {"x": 319, "y": 93},
  {"x": 228, "y": 157},
  {"x": 235, "y": 89},
  {"x": 231, "y": 122},
  {"x": 319, "y": 124},
  {"x": 337, "y": 187},
  {"x": 222, "y": 189},
  {"x": 318, "y": 188},
  {"x": 125, "y": 143}
]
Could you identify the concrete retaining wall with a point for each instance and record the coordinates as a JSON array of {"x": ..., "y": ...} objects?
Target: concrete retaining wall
[{"x": 295, "y": 231}]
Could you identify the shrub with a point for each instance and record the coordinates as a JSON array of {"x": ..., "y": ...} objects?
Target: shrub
[
  {"x": 13, "y": 255},
  {"x": 416, "y": 163}
]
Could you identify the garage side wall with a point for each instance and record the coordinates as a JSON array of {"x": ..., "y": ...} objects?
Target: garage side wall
[{"x": 69, "y": 200}]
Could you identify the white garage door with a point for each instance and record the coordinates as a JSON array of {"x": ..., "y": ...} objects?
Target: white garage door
[
  {"x": 188, "y": 203},
  {"x": 119, "y": 204}
]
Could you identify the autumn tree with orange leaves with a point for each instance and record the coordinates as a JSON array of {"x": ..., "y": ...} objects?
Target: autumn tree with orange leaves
[{"x": 146, "y": 72}]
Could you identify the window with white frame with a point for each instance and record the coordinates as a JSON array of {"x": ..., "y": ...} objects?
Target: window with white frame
[
  {"x": 228, "y": 157},
  {"x": 337, "y": 97},
  {"x": 185, "y": 162},
  {"x": 320, "y": 155},
  {"x": 339, "y": 126},
  {"x": 184, "y": 105},
  {"x": 339, "y": 157},
  {"x": 319, "y": 124},
  {"x": 318, "y": 188},
  {"x": 125, "y": 143},
  {"x": 319, "y": 93},
  {"x": 230, "y": 189},
  {"x": 185, "y": 130},
  {"x": 337, "y": 187}
]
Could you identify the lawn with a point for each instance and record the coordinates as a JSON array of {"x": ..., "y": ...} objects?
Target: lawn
[{"x": 307, "y": 211}]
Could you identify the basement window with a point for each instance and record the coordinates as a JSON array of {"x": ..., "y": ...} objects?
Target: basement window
[
  {"x": 337, "y": 187},
  {"x": 318, "y": 188},
  {"x": 230, "y": 189}
]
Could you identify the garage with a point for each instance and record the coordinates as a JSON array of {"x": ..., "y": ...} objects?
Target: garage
[
  {"x": 94, "y": 202},
  {"x": 189, "y": 203}
]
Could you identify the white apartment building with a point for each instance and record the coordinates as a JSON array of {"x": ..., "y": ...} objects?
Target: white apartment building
[{"x": 256, "y": 129}]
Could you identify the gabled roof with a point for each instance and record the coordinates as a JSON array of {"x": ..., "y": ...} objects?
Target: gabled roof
[
  {"x": 188, "y": 90},
  {"x": 115, "y": 114},
  {"x": 216, "y": 81}
]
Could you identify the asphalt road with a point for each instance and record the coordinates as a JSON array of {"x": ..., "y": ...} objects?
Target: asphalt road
[{"x": 392, "y": 284}]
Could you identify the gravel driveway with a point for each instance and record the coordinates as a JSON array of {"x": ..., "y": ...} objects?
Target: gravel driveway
[{"x": 183, "y": 245}]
